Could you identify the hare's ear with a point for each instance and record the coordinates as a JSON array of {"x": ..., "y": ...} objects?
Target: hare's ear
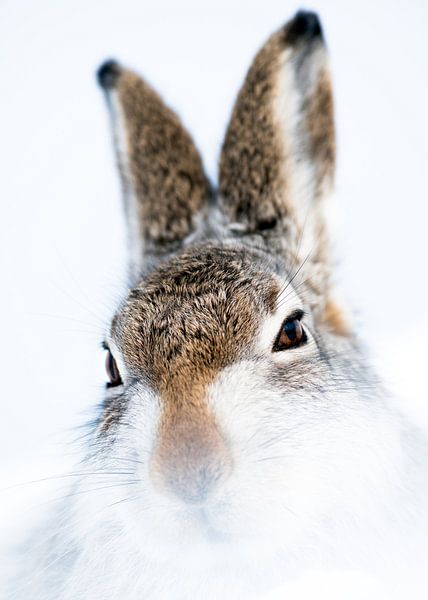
[
  {"x": 163, "y": 180},
  {"x": 277, "y": 161}
]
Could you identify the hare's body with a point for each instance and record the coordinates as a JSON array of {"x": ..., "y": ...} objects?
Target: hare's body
[{"x": 243, "y": 440}]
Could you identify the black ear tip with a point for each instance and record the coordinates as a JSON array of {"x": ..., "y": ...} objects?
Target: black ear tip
[
  {"x": 306, "y": 25},
  {"x": 108, "y": 74}
]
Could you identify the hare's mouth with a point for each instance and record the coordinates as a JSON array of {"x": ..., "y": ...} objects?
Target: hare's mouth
[
  {"x": 205, "y": 526},
  {"x": 209, "y": 531},
  {"x": 199, "y": 525}
]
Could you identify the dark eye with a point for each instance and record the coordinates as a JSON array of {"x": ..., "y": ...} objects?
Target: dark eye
[
  {"x": 112, "y": 371},
  {"x": 291, "y": 335}
]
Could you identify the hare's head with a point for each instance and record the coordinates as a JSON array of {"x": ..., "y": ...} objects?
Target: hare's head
[{"x": 237, "y": 397}]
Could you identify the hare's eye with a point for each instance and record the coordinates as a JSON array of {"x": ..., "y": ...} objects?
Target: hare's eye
[
  {"x": 112, "y": 371},
  {"x": 291, "y": 335}
]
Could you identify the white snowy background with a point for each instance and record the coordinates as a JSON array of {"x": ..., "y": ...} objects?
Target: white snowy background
[{"x": 61, "y": 228}]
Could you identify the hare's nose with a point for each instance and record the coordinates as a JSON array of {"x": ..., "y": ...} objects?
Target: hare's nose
[
  {"x": 193, "y": 484},
  {"x": 191, "y": 457}
]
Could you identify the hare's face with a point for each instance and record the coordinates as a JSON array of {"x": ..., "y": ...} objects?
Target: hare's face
[
  {"x": 237, "y": 405},
  {"x": 241, "y": 416}
]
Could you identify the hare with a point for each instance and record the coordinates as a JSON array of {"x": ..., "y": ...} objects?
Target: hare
[{"x": 243, "y": 439}]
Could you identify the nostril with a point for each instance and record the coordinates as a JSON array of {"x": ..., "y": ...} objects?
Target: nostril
[
  {"x": 192, "y": 481},
  {"x": 197, "y": 486},
  {"x": 191, "y": 471}
]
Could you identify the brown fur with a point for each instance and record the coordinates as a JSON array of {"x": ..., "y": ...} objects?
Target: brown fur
[
  {"x": 256, "y": 162},
  {"x": 251, "y": 182},
  {"x": 335, "y": 318},
  {"x": 166, "y": 169}
]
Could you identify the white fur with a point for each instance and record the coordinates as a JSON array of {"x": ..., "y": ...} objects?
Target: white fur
[
  {"x": 299, "y": 172},
  {"x": 120, "y": 139}
]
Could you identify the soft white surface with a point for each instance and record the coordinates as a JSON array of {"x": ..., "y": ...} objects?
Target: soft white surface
[{"x": 62, "y": 240}]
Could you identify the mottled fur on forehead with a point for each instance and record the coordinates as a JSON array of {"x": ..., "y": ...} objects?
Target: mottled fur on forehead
[{"x": 196, "y": 313}]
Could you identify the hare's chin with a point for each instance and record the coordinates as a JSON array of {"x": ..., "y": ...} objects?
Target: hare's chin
[
  {"x": 224, "y": 539},
  {"x": 205, "y": 547}
]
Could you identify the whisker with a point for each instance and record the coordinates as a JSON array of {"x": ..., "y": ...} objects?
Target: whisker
[
  {"x": 127, "y": 499},
  {"x": 56, "y": 477},
  {"x": 290, "y": 281}
]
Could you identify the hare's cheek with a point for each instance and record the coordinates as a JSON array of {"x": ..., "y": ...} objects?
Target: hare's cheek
[
  {"x": 129, "y": 418},
  {"x": 244, "y": 406}
]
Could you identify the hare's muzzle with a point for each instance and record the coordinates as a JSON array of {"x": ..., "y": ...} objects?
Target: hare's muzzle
[{"x": 191, "y": 457}]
